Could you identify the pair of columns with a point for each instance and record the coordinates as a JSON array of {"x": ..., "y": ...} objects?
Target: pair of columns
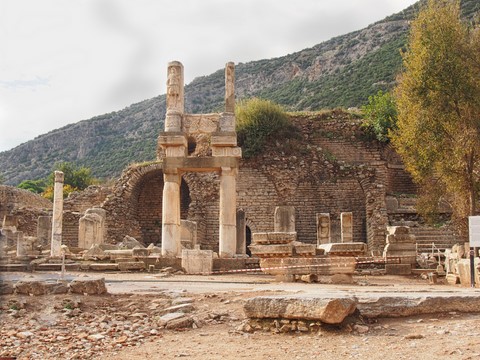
[{"x": 171, "y": 245}]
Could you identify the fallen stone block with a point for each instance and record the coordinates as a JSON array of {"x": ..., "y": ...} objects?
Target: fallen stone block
[
  {"x": 129, "y": 242},
  {"x": 341, "y": 279},
  {"x": 181, "y": 308},
  {"x": 345, "y": 249},
  {"x": 390, "y": 306},
  {"x": 180, "y": 323},
  {"x": 90, "y": 286},
  {"x": 57, "y": 288},
  {"x": 6, "y": 288},
  {"x": 140, "y": 252},
  {"x": 115, "y": 254},
  {"x": 277, "y": 250},
  {"x": 31, "y": 287},
  {"x": 131, "y": 266},
  {"x": 326, "y": 310}
]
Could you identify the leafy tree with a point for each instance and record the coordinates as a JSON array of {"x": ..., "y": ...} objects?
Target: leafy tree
[
  {"x": 75, "y": 178},
  {"x": 36, "y": 186},
  {"x": 257, "y": 120},
  {"x": 380, "y": 115},
  {"x": 438, "y": 99}
]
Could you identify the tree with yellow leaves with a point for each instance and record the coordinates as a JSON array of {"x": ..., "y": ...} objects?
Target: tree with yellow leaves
[{"x": 438, "y": 99}]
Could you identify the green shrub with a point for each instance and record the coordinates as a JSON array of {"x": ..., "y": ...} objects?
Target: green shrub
[
  {"x": 380, "y": 115},
  {"x": 257, "y": 120}
]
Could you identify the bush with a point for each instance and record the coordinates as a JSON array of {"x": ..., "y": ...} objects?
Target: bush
[
  {"x": 380, "y": 115},
  {"x": 258, "y": 120}
]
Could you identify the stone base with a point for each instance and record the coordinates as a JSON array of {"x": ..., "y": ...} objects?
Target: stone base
[
  {"x": 398, "y": 269},
  {"x": 197, "y": 261}
]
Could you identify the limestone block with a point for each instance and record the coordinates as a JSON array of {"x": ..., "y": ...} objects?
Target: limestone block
[
  {"x": 31, "y": 287},
  {"x": 234, "y": 151},
  {"x": 227, "y": 122},
  {"x": 95, "y": 252},
  {"x": 44, "y": 230},
  {"x": 103, "y": 267},
  {"x": 326, "y": 310},
  {"x": 58, "y": 287},
  {"x": 91, "y": 228},
  {"x": 323, "y": 228},
  {"x": 345, "y": 249},
  {"x": 346, "y": 224},
  {"x": 176, "y": 151},
  {"x": 260, "y": 238},
  {"x": 188, "y": 233},
  {"x": 90, "y": 286},
  {"x": 201, "y": 123},
  {"x": 398, "y": 269},
  {"x": 131, "y": 266},
  {"x": 271, "y": 250},
  {"x": 284, "y": 219},
  {"x": 398, "y": 230},
  {"x": 197, "y": 261},
  {"x": 115, "y": 254},
  {"x": 391, "y": 204},
  {"x": 227, "y": 139},
  {"x": 136, "y": 252},
  {"x": 463, "y": 272},
  {"x": 6, "y": 287},
  {"x": 129, "y": 242},
  {"x": 302, "y": 249}
]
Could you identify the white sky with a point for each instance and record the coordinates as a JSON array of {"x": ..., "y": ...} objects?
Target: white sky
[{"x": 65, "y": 61}]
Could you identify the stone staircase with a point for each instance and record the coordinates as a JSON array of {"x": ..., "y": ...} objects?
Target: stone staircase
[{"x": 426, "y": 236}]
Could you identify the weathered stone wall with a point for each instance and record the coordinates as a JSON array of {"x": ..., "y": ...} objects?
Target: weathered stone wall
[
  {"x": 70, "y": 223},
  {"x": 12, "y": 198},
  {"x": 80, "y": 201},
  {"x": 328, "y": 167}
]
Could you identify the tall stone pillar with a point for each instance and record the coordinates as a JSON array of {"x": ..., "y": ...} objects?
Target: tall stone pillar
[
  {"x": 57, "y": 218},
  {"x": 230, "y": 87},
  {"x": 171, "y": 230},
  {"x": 228, "y": 217},
  {"x": 175, "y": 97}
]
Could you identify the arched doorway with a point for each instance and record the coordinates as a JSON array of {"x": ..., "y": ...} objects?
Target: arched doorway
[{"x": 248, "y": 239}]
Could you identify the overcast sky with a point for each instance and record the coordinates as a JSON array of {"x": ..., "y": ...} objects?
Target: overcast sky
[{"x": 66, "y": 61}]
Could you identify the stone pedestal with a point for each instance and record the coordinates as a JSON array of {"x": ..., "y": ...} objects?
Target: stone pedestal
[
  {"x": 228, "y": 218},
  {"x": 171, "y": 234},
  {"x": 346, "y": 223},
  {"x": 197, "y": 261},
  {"x": 401, "y": 244},
  {"x": 57, "y": 217},
  {"x": 323, "y": 228}
]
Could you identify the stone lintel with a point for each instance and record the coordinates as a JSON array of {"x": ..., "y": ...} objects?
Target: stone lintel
[
  {"x": 199, "y": 164},
  {"x": 172, "y": 139},
  {"x": 227, "y": 151},
  {"x": 224, "y": 139}
]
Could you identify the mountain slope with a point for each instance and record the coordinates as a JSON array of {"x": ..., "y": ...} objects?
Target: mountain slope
[{"x": 341, "y": 72}]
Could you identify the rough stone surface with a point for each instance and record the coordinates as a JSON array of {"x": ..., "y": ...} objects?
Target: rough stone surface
[
  {"x": 31, "y": 287},
  {"x": 197, "y": 261},
  {"x": 330, "y": 311},
  {"x": 90, "y": 286}
]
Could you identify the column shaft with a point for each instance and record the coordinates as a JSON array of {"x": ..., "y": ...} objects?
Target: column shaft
[
  {"x": 57, "y": 218},
  {"x": 228, "y": 218},
  {"x": 171, "y": 245}
]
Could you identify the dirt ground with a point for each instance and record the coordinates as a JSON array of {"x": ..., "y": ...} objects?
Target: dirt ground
[{"x": 128, "y": 325}]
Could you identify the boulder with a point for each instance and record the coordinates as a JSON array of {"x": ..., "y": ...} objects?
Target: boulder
[
  {"x": 31, "y": 287},
  {"x": 6, "y": 288}
]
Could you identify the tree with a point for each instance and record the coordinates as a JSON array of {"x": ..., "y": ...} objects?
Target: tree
[
  {"x": 380, "y": 115},
  {"x": 36, "y": 186},
  {"x": 438, "y": 99},
  {"x": 75, "y": 179},
  {"x": 257, "y": 120}
]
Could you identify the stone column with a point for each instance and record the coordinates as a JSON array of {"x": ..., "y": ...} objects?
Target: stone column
[
  {"x": 241, "y": 233},
  {"x": 228, "y": 218},
  {"x": 171, "y": 231},
  {"x": 175, "y": 97},
  {"x": 346, "y": 223},
  {"x": 57, "y": 217},
  {"x": 230, "y": 87}
]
